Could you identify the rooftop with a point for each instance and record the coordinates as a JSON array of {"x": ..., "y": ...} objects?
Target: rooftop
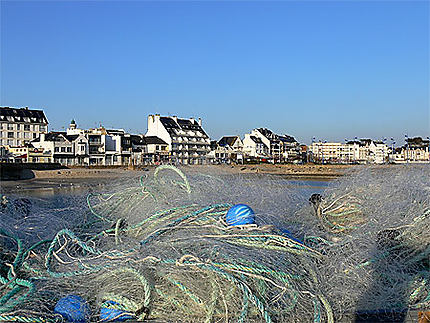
[{"x": 22, "y": 115}]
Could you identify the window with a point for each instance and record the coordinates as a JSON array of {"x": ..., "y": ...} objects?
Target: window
[
  {"x": 82, "y": 148},
  {"x": 10, "y": 126},
  {"x": 34, "y": 135},
  {"x": 63, "y": 149},
  {"x": 157, "y": 147},
  {"x": 69, "y": 149},
  {"x": 27, "y": 127},
  {"x": 56, "y": 149},
  {"x": 42, "y": 128},
  {"x": 10, "y": 134}
]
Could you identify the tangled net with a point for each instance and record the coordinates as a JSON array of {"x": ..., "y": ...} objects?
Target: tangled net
[
  {"x": 376, "y": 227},
  {"x": 160, "y": 249}
]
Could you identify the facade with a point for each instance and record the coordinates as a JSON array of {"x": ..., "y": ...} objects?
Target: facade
[
  {"x": 282, "y": 148},
  {"x": 329, "y": 152},
  {"x": 188, "y": 143},
  {"x": 149, "y": 150},
  {"x": 255, "y": 147},
  {"x": 228, "y": 149},
  {"x": 19, "y": 126},
  {"x": 59, "y": 146},
  {"x": 416, "y": 150},
  {"x": 363, "y": 151}
]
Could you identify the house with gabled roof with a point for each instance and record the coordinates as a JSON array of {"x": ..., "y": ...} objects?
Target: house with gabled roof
[
  {"x": 65, "y": 149},
  {"x": 187, "y": 141},
  {"x": 253, "y": 146}
]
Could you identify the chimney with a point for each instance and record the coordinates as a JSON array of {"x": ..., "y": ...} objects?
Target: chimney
[
  {"x": 200, "y": 122},
  {"x": 192, "y": 120},
  {"x": 175, "y": 118}
]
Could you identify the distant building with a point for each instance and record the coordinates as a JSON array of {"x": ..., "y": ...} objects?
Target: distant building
[
  {"x": 282, "y": 148},
  {"x": 65, "y": 149},
  {"x": 228, "y": 149},
  {"x": 416, "y": 150},
  {"x": 363, "y": 151},
  {"x": 19, "y": 126},
  {"x": 188, "y": 143},
  {"x": 149, "y": 150},
  {"x": 254, "y": 147}
]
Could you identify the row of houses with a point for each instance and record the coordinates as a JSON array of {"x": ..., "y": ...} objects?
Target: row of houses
[
  {"x": 260, "y": 144},
  {"x": 368, "y": 151},
  {"x": 24, "y": 137}
]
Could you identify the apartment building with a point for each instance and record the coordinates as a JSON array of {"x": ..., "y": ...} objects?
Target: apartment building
[
  {"x": 282, "y": 148},
  {"x": 187, "y": 141},
  {"x": 19, "y": 126}
]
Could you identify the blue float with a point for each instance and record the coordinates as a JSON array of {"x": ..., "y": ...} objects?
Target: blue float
[
  {"x": 111, "y": 311},
  {"x": 73, "y": 308},
  {"x": 288, "y": 234},
  {"x": 240, "y": 214}
]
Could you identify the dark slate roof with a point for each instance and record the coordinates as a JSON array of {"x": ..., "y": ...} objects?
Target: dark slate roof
[
  {"x": 153, "y": 140},
  {"x": 55, "y": 136},
  {"x": 170, "y": 124},
  {"x": 22, "y": 115},
  {"x": 71, "y": 137},
  {"x": 137, "y": 140},
  {"x": 287, "y": 138},
  {"x": 417, "y": 142},
  {"x": 268, "y": 134},
  {"x": 256, "y": 140},
  {"x": 227, "y": 140}
]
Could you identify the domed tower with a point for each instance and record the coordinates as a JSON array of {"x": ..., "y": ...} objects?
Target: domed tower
[
  {"x": 72, "y": 129},
  {"x": 72, "y": 124}
]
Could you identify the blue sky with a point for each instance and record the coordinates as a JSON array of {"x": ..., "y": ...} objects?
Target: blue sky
[{"x": 324, "y": 69}]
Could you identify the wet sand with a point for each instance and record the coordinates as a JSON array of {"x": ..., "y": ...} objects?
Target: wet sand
[{"x": 78, "y": 179}]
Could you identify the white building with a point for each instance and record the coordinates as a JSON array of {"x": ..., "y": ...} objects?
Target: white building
[
  {"x": 19, "y": 126},
  {"x": 416, "y": 150},
  {"x": 282, "y": 148},
  {"x": 65, "y": 149},
  {"x": 187, "y": 142},
  {"x": 228, "y": 149},
  {"x": 364, "y": 151},
  {"x": 255, "y": 147}
]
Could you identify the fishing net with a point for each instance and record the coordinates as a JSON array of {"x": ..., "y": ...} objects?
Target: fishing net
[
  {"x": 377, "y": 242},
  {"x": 159, "y": 248}
]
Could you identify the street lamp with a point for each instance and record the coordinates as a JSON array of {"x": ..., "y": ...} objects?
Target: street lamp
[
  {"x": 407, "y": 149},
  {"x": 428, "y": 139},
  {"x": 393, "y": 142}
]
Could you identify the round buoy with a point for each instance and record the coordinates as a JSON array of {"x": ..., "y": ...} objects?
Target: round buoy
[
  {"x": 113, "y": 311},
  {"x": 73, "y": 308},
  {"x": 240, "y": 214}
]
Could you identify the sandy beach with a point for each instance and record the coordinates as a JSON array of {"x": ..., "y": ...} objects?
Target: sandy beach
[{"x": 328, "y": 171}]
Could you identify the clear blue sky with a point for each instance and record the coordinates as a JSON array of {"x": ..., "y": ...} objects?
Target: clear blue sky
[{"x": 332, "y": 69}]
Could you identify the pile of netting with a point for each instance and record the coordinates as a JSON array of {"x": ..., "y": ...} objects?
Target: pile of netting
[
  {"x": 376, "y": 230},
  {"x": 161, "y": 249},
  {"x": 171, "y": 247}
]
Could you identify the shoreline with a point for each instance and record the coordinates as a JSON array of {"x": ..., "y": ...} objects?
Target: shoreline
[{"x": 287, "y": 170}]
